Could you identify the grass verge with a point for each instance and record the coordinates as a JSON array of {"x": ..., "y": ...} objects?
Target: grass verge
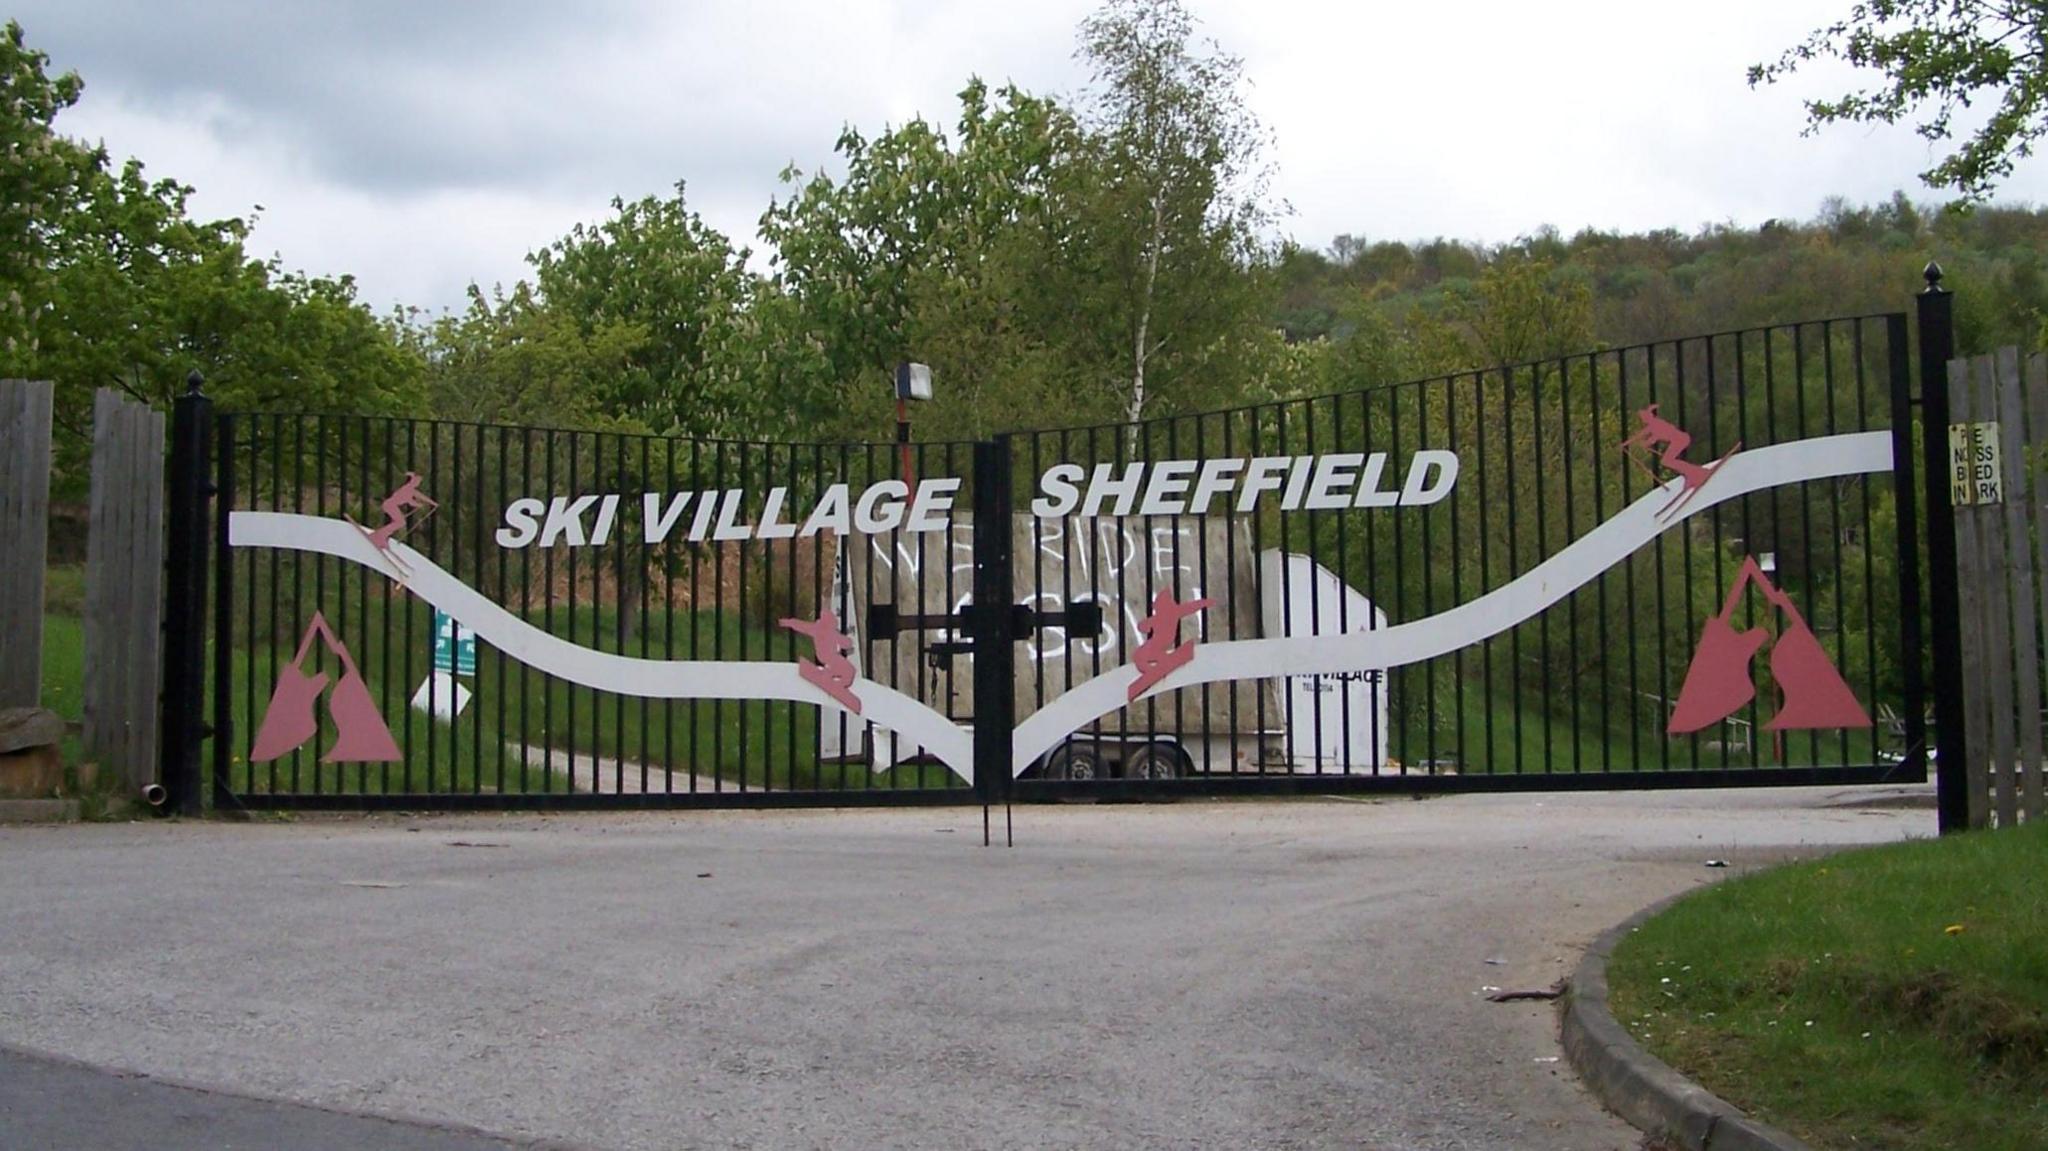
[{"x": 1892, "y": 998}]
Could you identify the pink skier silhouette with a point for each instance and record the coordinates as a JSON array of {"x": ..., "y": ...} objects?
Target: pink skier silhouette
[
  {"x": 1657, "y": 432},
  {"x": 1718, "y": 681},
  {"x": 833, "y": 673},
  {"x": 291, "y": 719},
  {"x": 406, "y": 497},
  {"x": 1162, "y": 653}
]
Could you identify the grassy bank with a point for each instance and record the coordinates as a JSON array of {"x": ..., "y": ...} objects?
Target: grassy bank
[{"x": 1892, "y": 998}]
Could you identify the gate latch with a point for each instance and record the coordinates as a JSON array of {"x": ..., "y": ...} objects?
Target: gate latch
[{"x": 886, "y": 622}]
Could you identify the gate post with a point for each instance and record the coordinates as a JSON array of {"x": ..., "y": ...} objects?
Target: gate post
[
  {"x": 186, "y": 555},
  {"x": 993, "y": 630},
  {"x": 1944, "y": 604}
]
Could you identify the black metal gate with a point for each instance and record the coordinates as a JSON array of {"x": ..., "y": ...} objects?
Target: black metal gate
[
  {"x": 1669, "y": 565},
  {"x": 1678, "y": 564}
]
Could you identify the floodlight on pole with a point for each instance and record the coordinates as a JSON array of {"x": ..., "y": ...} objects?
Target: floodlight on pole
[{"x": 913, "y": 382}]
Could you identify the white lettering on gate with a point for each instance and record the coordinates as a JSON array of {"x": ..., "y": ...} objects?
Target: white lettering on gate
[{"x": 1158, "y": 488}]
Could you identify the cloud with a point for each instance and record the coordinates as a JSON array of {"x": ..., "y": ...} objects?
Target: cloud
[{"x": 423, "y": 146}]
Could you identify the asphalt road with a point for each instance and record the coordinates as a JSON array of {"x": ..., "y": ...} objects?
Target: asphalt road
[{"x": 1305, "y": 974}]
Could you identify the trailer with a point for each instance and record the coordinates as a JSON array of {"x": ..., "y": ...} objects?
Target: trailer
[{"x": 896, "y": 594}]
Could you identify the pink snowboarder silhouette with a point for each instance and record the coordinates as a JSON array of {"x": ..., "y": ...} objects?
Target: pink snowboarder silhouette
[
  {"x": 1162, "y": 653},
  {"x": 833, "y": 673}
]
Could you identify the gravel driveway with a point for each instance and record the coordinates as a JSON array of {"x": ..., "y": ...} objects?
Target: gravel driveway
[{"x": 1271, "y": 974}]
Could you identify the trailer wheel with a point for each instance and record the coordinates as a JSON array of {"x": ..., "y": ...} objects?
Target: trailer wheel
[
  {"x": 1153, "y": 761},
  {"x": 1073, "y": 761}
]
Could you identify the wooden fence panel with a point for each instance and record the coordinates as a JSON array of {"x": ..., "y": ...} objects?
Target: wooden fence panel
[
  {"x": 1996, "y": 592},
  {"x": 25, "y": 408},
  {"x": 2005, "y": 595},
  {"x": 2035, "y": 391},
  {"x": 124, "y": 588},
  {"x": 2026, "y": 650}
]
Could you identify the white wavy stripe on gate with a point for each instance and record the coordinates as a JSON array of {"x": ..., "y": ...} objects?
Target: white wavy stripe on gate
[
  {"x": 624, "y": 675},
  {"x": 1583, "y": 560}
]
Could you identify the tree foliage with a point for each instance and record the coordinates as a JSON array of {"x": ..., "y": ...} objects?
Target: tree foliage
[
  {"x": 1172, "y": 203},
  {"x": 1937, "y": 58},
  {"x": 657, "y": 268},
  {"x": 109, "y": 281}
]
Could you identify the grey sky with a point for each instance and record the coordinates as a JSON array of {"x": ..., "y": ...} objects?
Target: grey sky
[{"x": 421, "y": 146}]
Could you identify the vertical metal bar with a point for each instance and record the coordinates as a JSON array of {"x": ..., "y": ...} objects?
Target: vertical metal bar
[
  {"x": 1315, "y": 615},
  {"x": 384, "y": 638},
  {"x": 697, "y": 620},
  {"x": 1564, "y": 464},
  {"x": 1749, "y": 541},
  {"x": 411, "y": 460},
  {"x": 223, "y": 613},
  {"x": 526, "y": 616},
  {"x": 1034, "y": 441},
  {"x": 718, "y": 636},
  {"x": 362, "y": 579},
  {"x": 1834, "y": 511},
  {"x": 995, "y": 703},
  {"x": 1486, "y": 688},
  {"x": 619, "y": 549},
  {"x": 276, "y": 568},
  {"x": 668, "y": 615},
  {"x": 1428, "y": 570},
  {"x": 256, "y": 447},
  {"x": 1343, "y": 568},
  {"x": 1600, "y": 445},
  {"x": 1936, "y": 308},
  {"x": 1457, "y": 565},
  {"x": 185, "y": 601},
  {"x": 1692, "y": 622},
  {"x": 1538, "y": 374},
  {"x": 819, "y": 482},
  {"x": 504, "y": 562},
  {"x": 1400, "y": 582},
  {"x": 767, "y": 596},
  {"x": 1663, "y": 655},
  {"x": 1514, "y": 569},
  {"x": 320, "y": 561},
  {"x": 1869, "y": 545},
  {"x": 1805, "y": 505},
  {"x": 1230, "y": 584},
  {"x": 1713, "y": 452},
  {"x": 547, "y": 611},
  {"x": 431, "y": 545},
  {"x": 1628, "y": 582}
]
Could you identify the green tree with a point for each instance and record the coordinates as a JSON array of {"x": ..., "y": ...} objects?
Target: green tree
[
  {"x": 938, "y": 248},
  {"x": 1169, "y": 260},
  {"x": 508, "y": 358},
  {"x": 110, "y": 282},
  {"x": 1936, "y": 58},
  {"x": 39, "y": 176},
  {"x": 656, "y": 266}
]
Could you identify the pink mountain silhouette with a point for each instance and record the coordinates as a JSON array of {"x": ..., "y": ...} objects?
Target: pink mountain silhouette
[
  {"x": 291, "y": 719},
  {"x": 1719, "y": 680}
]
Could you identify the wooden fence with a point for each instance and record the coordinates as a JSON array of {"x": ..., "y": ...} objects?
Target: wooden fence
[
  {"x": 24, "y": 536},
  {"x": 124, "y": 588},
  {"x": 1998, "y": 447}
]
